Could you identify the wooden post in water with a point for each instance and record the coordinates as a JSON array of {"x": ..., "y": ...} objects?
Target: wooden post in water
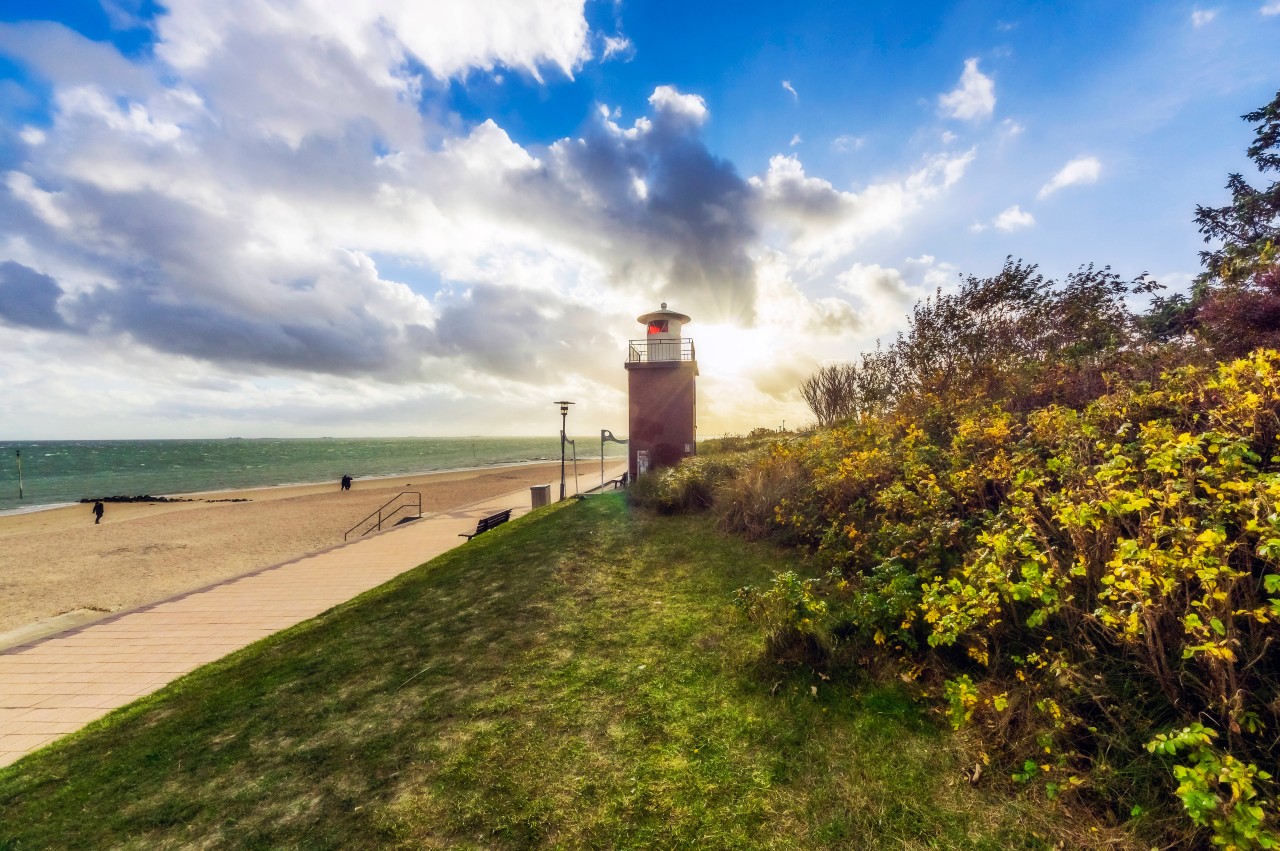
[{"x": 19, "y": 451}]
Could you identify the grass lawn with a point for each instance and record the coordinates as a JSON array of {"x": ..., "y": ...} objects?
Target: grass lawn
[{"x": 577, "y": 678}]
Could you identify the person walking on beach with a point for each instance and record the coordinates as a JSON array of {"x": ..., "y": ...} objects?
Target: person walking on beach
[
  {"x": 97, "y": 511},
  {"x": 346, "y": 483}
]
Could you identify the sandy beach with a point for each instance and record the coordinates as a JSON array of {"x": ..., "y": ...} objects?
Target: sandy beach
[{"x": 57, "y": 568}]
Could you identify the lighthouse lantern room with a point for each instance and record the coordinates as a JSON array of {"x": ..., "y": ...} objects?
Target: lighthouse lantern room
[{"x": 661, "y": 369}]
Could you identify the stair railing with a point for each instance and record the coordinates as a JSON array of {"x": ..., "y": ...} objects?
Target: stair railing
[{"x": 384, "y": 516}]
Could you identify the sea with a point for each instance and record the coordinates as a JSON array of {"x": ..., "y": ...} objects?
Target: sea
[{"x": 59, "y": 472}]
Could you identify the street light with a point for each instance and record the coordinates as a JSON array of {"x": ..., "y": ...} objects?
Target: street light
[{"x": 564, "y": 415}]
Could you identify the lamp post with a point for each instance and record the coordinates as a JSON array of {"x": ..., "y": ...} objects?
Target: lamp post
[
  {"x": 564, "y": 415},
  {"x": 605, "y": 434}
]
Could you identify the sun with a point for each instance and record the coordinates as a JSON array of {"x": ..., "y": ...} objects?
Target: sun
[{"x": 731, "y": 351}]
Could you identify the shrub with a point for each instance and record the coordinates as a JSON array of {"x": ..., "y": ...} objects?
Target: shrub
[
  {"x": 748, "y": 502},
  {"x": 1217, "y": 790},
  {"x": 1114, "y": 568},
  {"x": 792, "y": 614},
  {"x": 757, "y": 440},
  {"x": 689, "y": 486}
]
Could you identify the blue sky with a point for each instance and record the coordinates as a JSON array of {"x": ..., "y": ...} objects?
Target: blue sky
[{"x": 294, "y": 218}]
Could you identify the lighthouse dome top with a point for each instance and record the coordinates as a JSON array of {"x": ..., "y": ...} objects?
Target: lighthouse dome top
[{"x": 661, "y": 314}]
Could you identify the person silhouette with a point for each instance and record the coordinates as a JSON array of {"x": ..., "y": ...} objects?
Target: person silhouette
[{"x": 97, "y": 511}]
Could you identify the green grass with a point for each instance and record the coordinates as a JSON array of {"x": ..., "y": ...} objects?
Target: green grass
[{"x": 578, "y": 678}]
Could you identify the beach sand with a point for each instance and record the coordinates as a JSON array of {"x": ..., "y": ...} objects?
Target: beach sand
[{"x": 58, "y": 569}]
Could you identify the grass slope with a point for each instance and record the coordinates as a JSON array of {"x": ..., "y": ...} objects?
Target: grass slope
[{"x": 573, "y": 679}]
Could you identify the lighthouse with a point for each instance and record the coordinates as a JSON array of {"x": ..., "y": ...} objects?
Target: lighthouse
[{"x": 661, "y": 369}]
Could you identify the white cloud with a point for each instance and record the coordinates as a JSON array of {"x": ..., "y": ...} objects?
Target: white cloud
[
  {"x": 1201, "y": 17},
  {"x": 1271, "y": 9},
  {"x": 845, "y": 144},
  {"x": 795, "y": 140},
  {"x": 619, "y": 46},
  {"x": 1014, "y": 218},
  {"x": 948, "y": 137},
  {"x": 48, "y": 206},
  {"x": 884, "y": 295},
  {"x": 134, "y": 120},
  {"x": 786, "y": 84},
  {"x": 973, "y": 99},
  {"x": 790, "y": 311},
  {"x": 32, "y": 135},
  {"x": 820, "y": 223},
  {"x": 1081, "y": 170},
  {"x": 1011, "y": 128},
  {"x": 668, "y": 99},
  {"x": 933, "y": 274},
  {"x": 526, "y": 35},
  {"x": 882, "y": 291}
]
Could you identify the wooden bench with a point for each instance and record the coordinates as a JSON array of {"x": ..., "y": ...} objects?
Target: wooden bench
[{"x": 487, "y": 523}]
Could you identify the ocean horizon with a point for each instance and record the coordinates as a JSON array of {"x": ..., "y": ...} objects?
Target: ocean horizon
[{"x": 60, "y": 472}]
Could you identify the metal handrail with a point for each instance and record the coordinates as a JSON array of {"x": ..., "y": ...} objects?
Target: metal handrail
[
  {"x": 381, "y": 519},
  {"x": 661, "y": 350}
]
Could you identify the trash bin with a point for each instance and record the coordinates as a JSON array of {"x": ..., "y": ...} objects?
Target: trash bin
[{"x": 540, "y": 495}]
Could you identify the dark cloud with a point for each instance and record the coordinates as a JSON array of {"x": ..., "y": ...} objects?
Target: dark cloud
[
  {"x": 656, "y": 206},
  {"x": 175, "y": 280},
  {"x": 357, "y": 345},
  {"x": 526, "y": 336},
  {"x": 700, "y": 204},
  {"x": 29, "y": 299},
  {"x": 793, "y": 194}
]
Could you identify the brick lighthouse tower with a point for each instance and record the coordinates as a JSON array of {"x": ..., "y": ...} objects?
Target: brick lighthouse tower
[{"x": 661, "y": 370}]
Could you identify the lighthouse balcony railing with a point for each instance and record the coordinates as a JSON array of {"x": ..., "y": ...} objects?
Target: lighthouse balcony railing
[{"x": 661, "y": 350}]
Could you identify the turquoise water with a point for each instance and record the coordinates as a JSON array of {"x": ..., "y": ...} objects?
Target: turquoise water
[{"x": 61, "y": 471}]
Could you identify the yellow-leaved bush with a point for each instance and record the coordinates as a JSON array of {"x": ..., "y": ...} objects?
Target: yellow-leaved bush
[{"x": 1083, "y": 579}]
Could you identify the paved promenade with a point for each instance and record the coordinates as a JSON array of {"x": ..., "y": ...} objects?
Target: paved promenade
[{"x": 56, "y": 685}]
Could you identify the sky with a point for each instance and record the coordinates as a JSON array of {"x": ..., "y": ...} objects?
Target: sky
[{"x": 301, "y": 218}]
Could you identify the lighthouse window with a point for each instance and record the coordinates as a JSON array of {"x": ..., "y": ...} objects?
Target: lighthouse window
[{"x": 658, "y": 326}]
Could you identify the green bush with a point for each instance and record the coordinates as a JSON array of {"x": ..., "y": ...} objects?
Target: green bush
[
  {"x": 793, "y": 614},
  {"x": 691, "y": 485}
]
